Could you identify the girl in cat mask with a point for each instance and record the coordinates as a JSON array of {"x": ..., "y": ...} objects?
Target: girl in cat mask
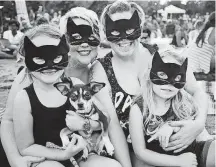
[
  {"x": 165, "y": 101},
  {"x": 122, "y": 70},
  {"x": 38, "y": 120}
]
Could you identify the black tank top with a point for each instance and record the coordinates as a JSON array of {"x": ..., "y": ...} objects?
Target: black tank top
[
  {"x": 47, "y": 122},
  {"x": 121, "y": 100}
]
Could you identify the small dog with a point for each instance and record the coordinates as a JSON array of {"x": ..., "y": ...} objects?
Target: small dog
[{"x": 80, "y": 97}]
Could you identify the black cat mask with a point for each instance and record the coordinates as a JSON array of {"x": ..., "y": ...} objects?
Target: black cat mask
[
  {"x": 79, "y": 34},
  {"x": 47, "y": 56},
  {"x": 123, "y": 29},
  {"x": 168, "y": 73}
]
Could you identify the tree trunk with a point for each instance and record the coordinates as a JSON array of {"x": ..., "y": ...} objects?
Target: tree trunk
[{"x": 21, "y": 10}]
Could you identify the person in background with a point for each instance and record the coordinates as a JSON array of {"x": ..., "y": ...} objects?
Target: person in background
[
  {"x": 14, "y": 37},
  {"x": 146, "y": 41},
  {"x": 55, "y": 19},
  {"x": 194, "y": 33}
]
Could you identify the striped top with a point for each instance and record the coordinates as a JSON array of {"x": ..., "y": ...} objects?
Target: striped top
[{"x": 199, "y": 58}]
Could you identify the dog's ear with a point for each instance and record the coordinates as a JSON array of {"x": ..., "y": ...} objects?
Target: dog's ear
[
  {"x": 64, "y": 87},
  {"x": 96, "y": 86}
]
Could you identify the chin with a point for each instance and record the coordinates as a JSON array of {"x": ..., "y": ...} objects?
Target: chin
[{"x": 49, "y": 78}]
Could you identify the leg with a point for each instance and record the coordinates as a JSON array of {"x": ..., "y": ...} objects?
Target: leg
[
  {"x": 50, "y": 164},
  {"x": 210, "y": 159},
  {"x": 98, "y": 161},
  {"x": 136, "y": 162}
]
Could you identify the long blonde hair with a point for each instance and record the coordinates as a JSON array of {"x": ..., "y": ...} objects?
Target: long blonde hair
[{"x": 182, "y": 103}]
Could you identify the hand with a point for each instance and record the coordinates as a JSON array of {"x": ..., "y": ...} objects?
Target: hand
[
  {"x": 188, "y": 132},
  {"x": 27, "y": 161},
  {"x": 73, "y": 121},
  {"x": 163, "y": 135},
  {"x": 187, "y": 160},
  {"x": 76, "y": 145}
]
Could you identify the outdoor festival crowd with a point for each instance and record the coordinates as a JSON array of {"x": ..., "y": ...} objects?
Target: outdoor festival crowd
[{"x": 138, "y": 105}]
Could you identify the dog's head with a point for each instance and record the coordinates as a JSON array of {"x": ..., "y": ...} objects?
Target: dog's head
[{"x": 80, "y": 95}]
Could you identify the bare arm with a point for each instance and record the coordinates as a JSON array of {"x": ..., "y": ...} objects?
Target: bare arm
[
  {"x": 117, "y": 136},
  {"x": 190, "y": 129},
  {"x": 199, "y": 96},
  {"x": 139, "y": 145},
  {"x": 7, "y": 130}
]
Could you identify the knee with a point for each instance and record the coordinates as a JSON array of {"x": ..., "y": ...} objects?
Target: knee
[
  {"x": 50, "y": 164},
  {"x": 114, "y": 163}
]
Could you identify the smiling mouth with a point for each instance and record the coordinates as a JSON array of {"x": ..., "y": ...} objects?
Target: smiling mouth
[
  {"x": 49, "y": 72},
  {"x": 84, "y": 52},
  {"x": 124, "y": 44}
]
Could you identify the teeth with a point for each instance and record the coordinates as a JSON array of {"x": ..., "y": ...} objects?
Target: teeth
[
  {"x": 124, "y": 44},
  {"x": 84, "y": 52}
]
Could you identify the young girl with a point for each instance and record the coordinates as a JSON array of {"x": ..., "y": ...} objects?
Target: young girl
[
  {"x": 39, "y": 110},
  {"x": 165, "y": 101}
]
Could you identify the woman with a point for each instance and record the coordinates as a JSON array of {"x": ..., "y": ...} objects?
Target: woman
[
  {"x": 201, "y": 52},
  {"x": 124, "y": 66},
  {"x": 9, "y": 144}
]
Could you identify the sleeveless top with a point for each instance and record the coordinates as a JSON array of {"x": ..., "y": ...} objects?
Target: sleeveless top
[
  {"x": 121, "y": 100},
  {"x": 47, "y": 121},
  {"x": 199, "y": 58},
  {"x": 153, "y": 126}
]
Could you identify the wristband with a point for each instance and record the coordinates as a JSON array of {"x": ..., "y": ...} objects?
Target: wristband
[{"x": 87, "y": 125}]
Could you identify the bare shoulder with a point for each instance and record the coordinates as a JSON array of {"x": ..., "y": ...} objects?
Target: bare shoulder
[
  {"x": 22, "y": 98},
  {"x": 97, "y": 73}
]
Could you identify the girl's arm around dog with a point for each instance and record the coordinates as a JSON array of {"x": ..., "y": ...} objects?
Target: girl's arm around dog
[
  {"x": 23, "y": 126},
  {"x": 146, "y": 155}
]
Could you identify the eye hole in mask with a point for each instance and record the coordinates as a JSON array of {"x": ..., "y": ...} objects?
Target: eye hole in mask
[
  {"x": 115, "y": 33},
  {"x": 130, "y": 31},
  {"x": 38, "y": 60},
  {"x": 57, "y": 59},
  {"x": 91, "y": 38},
  {"x": 178, "y": 78},
  {"x": 162, "y": 75},
  {"x": 77, "y": 36}
]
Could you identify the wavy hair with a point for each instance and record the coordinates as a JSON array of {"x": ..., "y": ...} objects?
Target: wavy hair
[
  {"x": 182, "y": 103},
  {"x": 208, "y": 24}
]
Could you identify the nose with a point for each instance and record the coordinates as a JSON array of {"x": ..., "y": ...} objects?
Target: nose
[
  {"x": 85, "y": 45},
  {"x": 80, "y": 105}
]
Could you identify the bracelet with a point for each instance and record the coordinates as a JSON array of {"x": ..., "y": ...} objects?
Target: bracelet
[{"x": 87, "y": 125}]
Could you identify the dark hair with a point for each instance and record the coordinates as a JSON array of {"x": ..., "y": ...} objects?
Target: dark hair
[
  {"x": 147, "y": 31},
  {"x": 208, "y": 24},
  {"x": 41, "y": 20},
  {"x": 14, "y": 22}
]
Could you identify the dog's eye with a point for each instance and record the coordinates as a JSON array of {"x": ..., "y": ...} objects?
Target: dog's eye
[
  {"x": 87, "y": 96},
  {"x": 73, "y": 97}
]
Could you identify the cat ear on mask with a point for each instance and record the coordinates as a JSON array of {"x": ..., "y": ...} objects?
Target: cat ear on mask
[
  {"x": 28, "y": 45},
  {"x": 157, "y": 59},
  {"x": 70, "y": 24},
  {"x": 63, "y": 46},
  {"x": 135, "y": 17},
  {"x": 109, "y": 21},
  {"x": 184, "y": 65}
]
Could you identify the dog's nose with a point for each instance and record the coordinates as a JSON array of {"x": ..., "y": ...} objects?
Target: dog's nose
[{"x": 80, "y": 105}]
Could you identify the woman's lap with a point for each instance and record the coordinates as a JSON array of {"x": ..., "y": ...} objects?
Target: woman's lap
[{"x": 98, "y": 161}]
